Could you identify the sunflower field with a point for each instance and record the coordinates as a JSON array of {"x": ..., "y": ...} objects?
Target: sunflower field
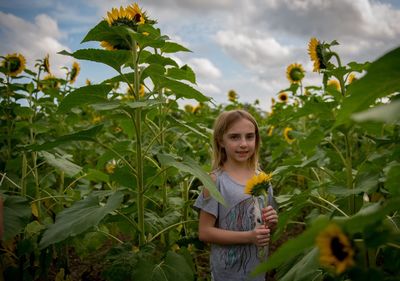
[{"x": 98, "y": 182}]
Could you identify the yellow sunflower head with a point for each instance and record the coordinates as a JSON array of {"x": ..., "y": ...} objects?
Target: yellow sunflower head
[
  {"x": 232, "y": 96},
  {"x": 295, "y": 73},
  {"x": 88, "y": 82},
  {"x": 74, "y": 72},
  {"x": 188, "y": 108},
  {"x": 270, "y": 130},
  {"x": 196, "y": 108},
  {"x": 334, "y": 83},
  {"x": 287, "y": 135},
  {"x": 283, "y": 97},
  {"x": 335, "y": 250},
  {"x": 315, "y": 50},
  {"x": 258, "y": 184},
  {"x": 110, "y": 166},
  {"x": 131, "y": 16},
  {"x": 14, "y": 64}
]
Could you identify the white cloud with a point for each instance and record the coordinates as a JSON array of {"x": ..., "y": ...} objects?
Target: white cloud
[
  {"x": 34, "y": 40},
  {"x": 204, "y": 68}
]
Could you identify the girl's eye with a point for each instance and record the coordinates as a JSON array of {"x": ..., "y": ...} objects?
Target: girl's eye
[
  {"x": 250, "y": 137},
  {"x": 235, "y": 137}
]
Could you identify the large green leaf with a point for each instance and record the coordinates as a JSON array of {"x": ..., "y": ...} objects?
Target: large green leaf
[
  {"x": 382, "y": 79},
  {"x": 183, "y": 73},
  {"x": 79, "y": 217},
  {"x": 62, "y": 162},
  {"x": 189, "y": 166},
  {"x": 383, "y": 113},
  {"x": 16, "y": 215},
  {"x": 294, "y": 246},
  {"x": 84, "y": 135},
  {"x": 304, "y": 269},
  {"x": 85, "y": 95},
  {"x": 173, "y": 268},
  {"x": 114, "y": 59}
]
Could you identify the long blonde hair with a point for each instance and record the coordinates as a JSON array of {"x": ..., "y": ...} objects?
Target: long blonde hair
[{"x": 221, "y": 125}]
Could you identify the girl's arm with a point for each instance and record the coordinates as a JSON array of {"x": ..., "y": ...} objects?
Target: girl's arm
[{"x": 208, "y": 232}]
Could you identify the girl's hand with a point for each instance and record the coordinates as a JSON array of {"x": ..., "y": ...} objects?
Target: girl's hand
[
  {"x": 270, "y": 217},
  {"x": 260, "y": 235}
]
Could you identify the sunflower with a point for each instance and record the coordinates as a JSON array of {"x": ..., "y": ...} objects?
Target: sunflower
[
  {"x": 315, "y": 51},
  {"x": 272, "y": 101},
  {"x": 141, "y": 90},
  {"x": 74, "y": 72},
  {"x": 232, "y": 96},
  {"x": 107, "y": 46},
  {"x": 131, "y": 16},
  {"x": 49, "y": 82},
  {"x": 295, "y": 73},
  {"x": 88, "y": 82},
  {"x": 335, "y": 249},
  {"x": 14, "y": 64},
  {"x": 258, "y": 184},
  {"x": 270, "y": 130},
  {"x": 196, "y": 108},
  {"x": 334, "y": 83},
  {"x": 46, "y": 64},
  {"x": 351, "y": 78},
  {"x": 188, "y": 108},
  {"x": 110, "y": 166},
  {"x": 286, "y": 134},
  {"x": 283, "y": 97}
]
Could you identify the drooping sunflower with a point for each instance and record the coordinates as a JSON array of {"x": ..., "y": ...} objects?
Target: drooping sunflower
[
  {"x": 335, "y": 249},
  {"x": 295, "y": 73},
  {"x": 258, "y": 184},
  {"x": 334, "y": 83},
  {"x": 287, "y": 136},
  {"x": 46, "y": 64},
  {"x": 74, "y": 72},
  {"x": 315, "y": 49},
  {"x": 232, "y": 96},
  {"x": 283, "y": 97},
  {"x": 14, "y": 64}
]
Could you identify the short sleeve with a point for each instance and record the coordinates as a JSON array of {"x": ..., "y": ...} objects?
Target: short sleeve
[{"x": 209, "y": 205}]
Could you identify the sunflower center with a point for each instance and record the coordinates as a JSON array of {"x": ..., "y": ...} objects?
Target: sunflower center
[
  {"x": 296, "y": 74},
  {"x": 338, "y": 249},
  {"x": 13, "y": 64}
]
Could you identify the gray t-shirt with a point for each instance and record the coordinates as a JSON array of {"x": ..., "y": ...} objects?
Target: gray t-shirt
[{"x": 234, "y": 262}]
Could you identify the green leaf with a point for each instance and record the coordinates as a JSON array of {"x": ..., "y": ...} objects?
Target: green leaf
[
  {"x": 79, "y": 217},
  {"x": 172, "y": 47},
  {"x": 294, "y": 246},
  {"x": 173, "y": 268},
  {"x": 393, "y": 179},
  {"x": 305, "y": 269},
  {"x": 383, "y": 113},
  {"x": 183, "y": 90},
  {"x": 114, "y": 59},
  {"x": 85, "y": 95},
  {"x": 62, "y": 163},
  {"x": 382, "y": 79},
  {"x": 189, "y": 166},
  {"x": 371, "y": 213},
  {"x": 84, "y": 135},
  {"x": 183, "y": 73},
  {"x": 16, "y": 215},
  {"x": 158, "y": 59}
]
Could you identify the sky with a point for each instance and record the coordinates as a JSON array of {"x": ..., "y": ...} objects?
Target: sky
[{"x": 240, "y": 45}]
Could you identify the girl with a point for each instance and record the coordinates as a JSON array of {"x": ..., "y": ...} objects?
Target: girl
[{"x": 232, "y": 230}]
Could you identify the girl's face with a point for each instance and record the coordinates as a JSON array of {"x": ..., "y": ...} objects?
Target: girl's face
[{"x": 239, "y": 141}]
